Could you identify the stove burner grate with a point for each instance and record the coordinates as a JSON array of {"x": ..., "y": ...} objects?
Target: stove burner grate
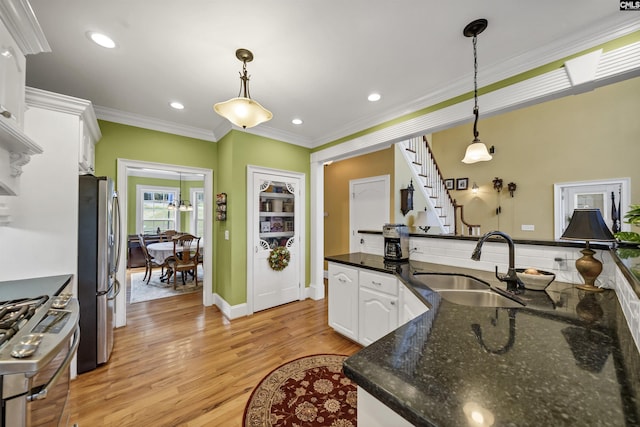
[{"x": 15, "y": 313}]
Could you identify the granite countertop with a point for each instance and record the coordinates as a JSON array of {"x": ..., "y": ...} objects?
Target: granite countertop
[
  {"x": 567, "y": 358},
  {"x": 31, "y": 288}
]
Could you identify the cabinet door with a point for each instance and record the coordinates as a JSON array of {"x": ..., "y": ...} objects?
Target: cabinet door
[
  {"x": 378, "y": 315},
  {"x": 12, "y": 78},
  {"x": 410, "y": 305},
  {"x": 343, "y": 300}
]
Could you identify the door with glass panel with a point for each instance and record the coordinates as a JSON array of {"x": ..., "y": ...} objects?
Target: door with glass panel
[{"x": 275, "y": 273}]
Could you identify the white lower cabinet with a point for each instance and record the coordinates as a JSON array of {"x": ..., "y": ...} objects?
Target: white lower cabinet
[
  {"x": 378, "y": 306},
  {"x": 410, "y": 306},
  {"x": 343, "y": 300},
  {"x": 373, "y": 413},
  {"x": 365, "y": 305}
]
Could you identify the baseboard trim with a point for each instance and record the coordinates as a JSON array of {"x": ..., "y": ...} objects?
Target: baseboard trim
[{"x": 230, "y": 311}]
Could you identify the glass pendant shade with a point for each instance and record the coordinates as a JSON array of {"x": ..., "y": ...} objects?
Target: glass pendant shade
[
  {"x": 476, "y": 152},
  {"x": 244, "y": 112}
]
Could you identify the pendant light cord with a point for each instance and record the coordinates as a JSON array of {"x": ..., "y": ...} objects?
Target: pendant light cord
[{"x": 475, "y": 88}]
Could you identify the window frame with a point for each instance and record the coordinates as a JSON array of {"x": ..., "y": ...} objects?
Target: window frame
[
  {"x": 195, "y": 191},
  {"x": 144, "y": 188}
]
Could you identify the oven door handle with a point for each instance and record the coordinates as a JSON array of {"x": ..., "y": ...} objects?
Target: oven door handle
[{"x": 44, "y": 390}]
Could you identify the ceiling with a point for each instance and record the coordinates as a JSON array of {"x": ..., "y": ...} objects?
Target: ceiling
[{"x": 315, "y": 60}]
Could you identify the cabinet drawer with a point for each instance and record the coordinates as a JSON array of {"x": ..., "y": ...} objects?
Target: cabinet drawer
[{"x": 380, "y": 282}]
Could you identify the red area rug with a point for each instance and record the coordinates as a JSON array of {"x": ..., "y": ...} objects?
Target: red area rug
[{"x": 310, "y": 391}]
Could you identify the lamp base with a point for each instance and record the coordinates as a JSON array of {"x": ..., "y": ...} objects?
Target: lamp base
[
  {"x": 589, "y": 268},
  {"x": 590, "y": 288}
]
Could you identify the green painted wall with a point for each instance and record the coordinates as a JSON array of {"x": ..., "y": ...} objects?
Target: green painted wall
[
  {"x": 228, "y": 158},
  {"x": 237, "y": 150}
]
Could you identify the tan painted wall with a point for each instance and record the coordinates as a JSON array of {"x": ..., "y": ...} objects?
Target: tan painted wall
[
  {"x": 594, "y": 135},
  {"x": 336, "y": 194}
]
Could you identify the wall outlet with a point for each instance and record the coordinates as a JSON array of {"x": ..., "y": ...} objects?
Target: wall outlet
[
  {"x": 226, "y": 234},
  {"x": 528, "y": 227},
  {"x": 560, "y": 263}
]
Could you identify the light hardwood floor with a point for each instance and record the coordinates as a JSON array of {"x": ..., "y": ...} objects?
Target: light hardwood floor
[{"x": 178, "y": 363}]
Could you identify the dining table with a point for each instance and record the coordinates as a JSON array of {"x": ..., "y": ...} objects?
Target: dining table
[{"x": 162, "y": 250}]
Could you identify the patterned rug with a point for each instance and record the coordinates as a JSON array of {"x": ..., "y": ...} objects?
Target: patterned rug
[
  {"x": 156, "y": 289},
  {"x": 310, "y": 391}
]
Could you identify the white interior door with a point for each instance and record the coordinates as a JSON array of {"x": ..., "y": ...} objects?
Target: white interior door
[
  {"x": 277, "y": 207},
  {"x": 608, "y": 196},
  {"x": 369, "y": 206}
]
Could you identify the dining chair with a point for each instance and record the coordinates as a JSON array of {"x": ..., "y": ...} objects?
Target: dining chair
[
  {"x": 166, "y": 235},
  {"x": 150, "y": 262},
  {"x": 186, "y": 252}
]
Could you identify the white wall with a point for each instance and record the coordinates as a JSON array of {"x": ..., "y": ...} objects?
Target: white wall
[{"x": 42, "y": 237}]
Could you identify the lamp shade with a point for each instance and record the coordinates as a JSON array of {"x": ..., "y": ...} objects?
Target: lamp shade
[
  {"x": 588, "y": 224},
  {"x": 476, "y": 152},
  {"x": 425, "y": 221},
  {"x": 244, "y": 112}
]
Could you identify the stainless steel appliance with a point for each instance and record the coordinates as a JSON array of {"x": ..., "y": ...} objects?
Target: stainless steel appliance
[
  {"x": 98, "y": 259},
  {"x": 36, "y": 347},
  {"x": 396, "y": 242}
]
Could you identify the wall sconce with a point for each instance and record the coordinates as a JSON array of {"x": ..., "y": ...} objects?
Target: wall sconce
[
  {"x": 512, "y": 188},
  {"x": 475, "y": 188},
  {"x": 497, "y": 184},
  {"x": 406, "y": 198}
]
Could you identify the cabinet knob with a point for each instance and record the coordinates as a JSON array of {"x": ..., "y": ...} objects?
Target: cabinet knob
[
  {"x": 5, "y": 113},
  {"x": 392, "y": 302}
]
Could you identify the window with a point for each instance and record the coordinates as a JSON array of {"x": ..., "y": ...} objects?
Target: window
[
  {"x": 197, "y": 196},
  {"x": 152, "y": 209}
]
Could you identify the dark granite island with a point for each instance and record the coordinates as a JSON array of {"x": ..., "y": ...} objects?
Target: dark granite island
[{"x": 566, "y": 359}]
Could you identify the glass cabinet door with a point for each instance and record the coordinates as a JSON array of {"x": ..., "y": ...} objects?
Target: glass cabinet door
[{"x": 276, "y": 213}]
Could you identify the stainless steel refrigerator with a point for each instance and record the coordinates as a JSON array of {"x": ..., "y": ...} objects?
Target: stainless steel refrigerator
[{"x": 98, "y": 259}]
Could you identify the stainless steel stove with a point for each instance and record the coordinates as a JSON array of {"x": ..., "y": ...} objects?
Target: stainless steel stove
[{"x": 36, "y": 348}]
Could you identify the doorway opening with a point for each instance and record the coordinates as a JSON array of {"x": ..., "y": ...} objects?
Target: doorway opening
[
  {"x": 611, "y": 196},
  {"x": 130, "y": 213}
]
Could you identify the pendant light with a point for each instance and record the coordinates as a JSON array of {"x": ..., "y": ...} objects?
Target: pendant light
[
  {"x": 243, "y": 111},
  {"x": 476, "y": 151},
  {"x": 183, "y": 205}
]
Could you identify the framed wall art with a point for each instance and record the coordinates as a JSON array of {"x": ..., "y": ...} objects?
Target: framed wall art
[
  {"x": 449, "y": 183},
  {"x": 462, "y": 183}
]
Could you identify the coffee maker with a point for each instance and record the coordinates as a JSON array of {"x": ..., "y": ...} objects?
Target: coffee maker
[{"x": 396, "y": 242}]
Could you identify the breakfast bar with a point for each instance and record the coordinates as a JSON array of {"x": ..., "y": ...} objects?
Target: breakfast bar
[{"x": 565, "y": 358}]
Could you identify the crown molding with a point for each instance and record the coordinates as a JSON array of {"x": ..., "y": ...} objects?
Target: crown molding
[
  {"x": 38, "y": 98},
  {"x": 613, "y": 66},
  {"x": 21, "y": 21},
  {"x": 145, "y": 122},
  {"x": 586, "y": 39}
]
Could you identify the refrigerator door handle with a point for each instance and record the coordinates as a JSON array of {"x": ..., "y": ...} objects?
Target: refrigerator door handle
[
  {"x": 116, "y": 231},
  {"x": 116, "y": 289}
]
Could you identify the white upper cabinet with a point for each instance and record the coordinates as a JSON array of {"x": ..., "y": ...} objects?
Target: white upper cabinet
[{"x": 20, "y": 35}]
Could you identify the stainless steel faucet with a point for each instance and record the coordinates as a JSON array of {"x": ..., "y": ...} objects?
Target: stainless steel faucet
[{"x": 514, "y": 285}]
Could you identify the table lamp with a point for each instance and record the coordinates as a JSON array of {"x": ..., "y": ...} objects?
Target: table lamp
[
  {"x": 424, "y": 221},
  {"x": 588, "y": 225}
]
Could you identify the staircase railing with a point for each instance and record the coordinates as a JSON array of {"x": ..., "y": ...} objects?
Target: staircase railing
[
  {"x": 472, "y": 229},
  {"x": 426, "y": 172}
]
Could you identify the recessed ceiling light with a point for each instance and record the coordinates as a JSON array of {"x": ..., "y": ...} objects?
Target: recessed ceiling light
[
  {"x": 177, "y": 105},
  {"x": 101, "y": 39},
  {"x": 374, "y": 97},
  {"x": 296, "y": 121}
]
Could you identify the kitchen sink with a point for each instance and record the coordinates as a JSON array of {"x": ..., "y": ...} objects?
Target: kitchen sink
[
  {"x": 478, "y": 298},
  {"x": 439, "y": 282},
  {"x": 466, "y": 290}
]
